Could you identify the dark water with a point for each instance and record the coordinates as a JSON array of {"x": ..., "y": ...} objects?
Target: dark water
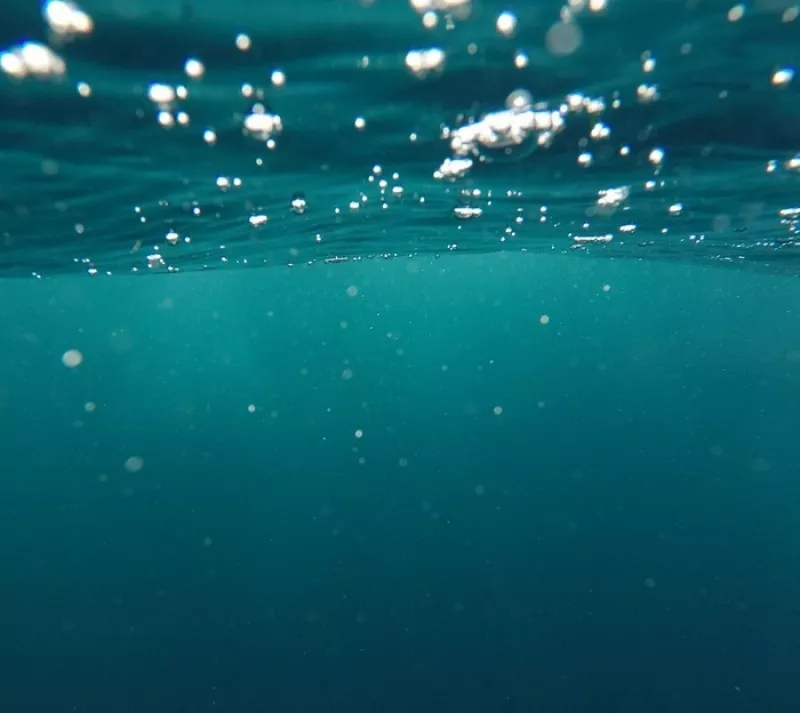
[{"x": 457, "y": 457}]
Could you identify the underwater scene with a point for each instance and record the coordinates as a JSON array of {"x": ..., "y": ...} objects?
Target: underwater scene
[{"x": 399, "y": 355}]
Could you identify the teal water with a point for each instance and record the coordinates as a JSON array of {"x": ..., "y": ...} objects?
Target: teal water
[
  {"x": 599, "y": 513},
  {"x": 494, "y": 441}
]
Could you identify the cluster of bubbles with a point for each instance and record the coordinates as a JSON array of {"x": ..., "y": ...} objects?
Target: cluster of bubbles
[
  {"x": 65, "y": 21},
  {"x": 508, "y": 133}
]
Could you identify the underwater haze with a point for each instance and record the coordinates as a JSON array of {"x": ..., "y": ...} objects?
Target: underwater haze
[{"x": 396, "y": 356}]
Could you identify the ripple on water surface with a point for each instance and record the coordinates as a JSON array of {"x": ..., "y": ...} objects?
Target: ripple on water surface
[{"x": 158, "y": 139}]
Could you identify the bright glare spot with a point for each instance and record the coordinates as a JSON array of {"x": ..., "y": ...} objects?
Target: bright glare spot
[
  {"x": 166, "y": 119},
  {"x": 66, "y": 18},
  {"x": 161, "y": 93},
  {"x": 194, "y": 68},
  {"x": 782, "y": 76},
  {"x": 32, "y": 58},
  {"x": 420, "y": 62},
  {"x": 506, "y": 24},
  {"x": 261, "y": 124}
]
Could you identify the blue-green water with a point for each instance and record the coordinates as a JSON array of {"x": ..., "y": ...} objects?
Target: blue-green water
[{"x": 456, "y": 457}]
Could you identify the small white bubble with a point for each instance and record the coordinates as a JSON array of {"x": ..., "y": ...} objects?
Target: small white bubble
[
  {"x": 544, "y": 319},
  {"x": 563, "y": 38},
  {"x": 498, "y": 410},
  {"x": 352, "y": 291},
  {"x": 134, "y": 464},
  {"x": 656, "y": 156},
  {"x": 520, "y": 100},
  {"x": 736, "y": 13},
  {"x": 194, "y": 68},
  {"x": 782, "y": 77},
  {"x": 72, "y": 358},
  {"x": 65, "y": 18},
  {"x": 161, "y": 93},
  {"x": 166, "y": 119},
  {"x": 251, "y": 408},
  {"x": 506, "y": 23},
  {"x": 359, "y": 433}
]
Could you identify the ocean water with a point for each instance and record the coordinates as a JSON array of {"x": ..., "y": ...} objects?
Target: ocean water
[{"x": 390, "y": 356}]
